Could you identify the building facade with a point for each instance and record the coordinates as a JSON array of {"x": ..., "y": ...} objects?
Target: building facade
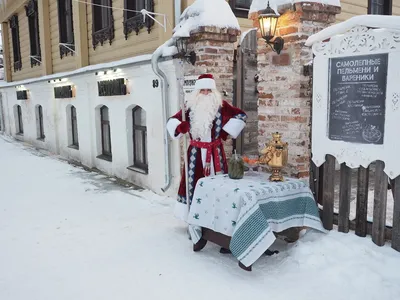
[{"x": 80, "y": 81}]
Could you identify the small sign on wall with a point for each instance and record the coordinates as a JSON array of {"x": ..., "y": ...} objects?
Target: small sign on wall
[
  {"x": 113, "y": 87},
  {"x": 188, "y": 85},
  {"x": 63, "y": 92},
  {"x": 22, "y": 95},
  {"x": 357, "y": 98}
]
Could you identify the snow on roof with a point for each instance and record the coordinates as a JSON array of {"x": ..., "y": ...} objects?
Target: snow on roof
[
  {"x": 373, "y": 21},
  {"x": 91, "y": 68},
  {"x": 258, "y": 5},
  {"x": 216, "y": 13}
]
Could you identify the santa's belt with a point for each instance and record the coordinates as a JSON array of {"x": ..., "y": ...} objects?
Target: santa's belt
[{"x": 212, "y": 147}]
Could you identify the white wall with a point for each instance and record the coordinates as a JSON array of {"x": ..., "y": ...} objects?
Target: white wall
[{"x": 87, "y": 103}]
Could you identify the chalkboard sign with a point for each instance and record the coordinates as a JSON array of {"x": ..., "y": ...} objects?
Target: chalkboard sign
[{"x": 357, "y": 96}]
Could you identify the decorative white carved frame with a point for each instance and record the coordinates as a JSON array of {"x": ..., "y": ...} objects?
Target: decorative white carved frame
[{"x": 359, "y": 40}]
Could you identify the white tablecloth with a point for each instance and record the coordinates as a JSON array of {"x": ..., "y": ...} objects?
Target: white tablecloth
[{"x": 250, "y": 210}]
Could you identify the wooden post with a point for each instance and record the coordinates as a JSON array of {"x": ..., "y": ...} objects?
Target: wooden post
[
  {"x": 380, "y": 201},
  {"x": 45, "y": 39},
  {"x": 81, "y": 34},
  {"x": 328, "y": 192},
  {"x": 362, "y": 201},
  {"x": 6, "y": 51},
  {"x": 320, "y": 179},
  {"x": 396, "y": 214},
  {"x": 344, "y": 198}
]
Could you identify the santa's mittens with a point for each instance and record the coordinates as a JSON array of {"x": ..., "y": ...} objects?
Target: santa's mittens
[
  {"x": 183, "y": 128},
  {"x": 223, "y": 135}
]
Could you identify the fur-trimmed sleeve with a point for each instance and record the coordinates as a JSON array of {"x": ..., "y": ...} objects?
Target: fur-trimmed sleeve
[
  {"x": 173, "y": 122},
  {"x": 236, "y": 120}
]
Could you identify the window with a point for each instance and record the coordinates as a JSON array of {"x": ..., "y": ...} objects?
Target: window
[
  {"x": 39, "y": 122},
  {"x": 66, "y": 27},
  {"x": 105, "y": 133},
  {"x": 139, "y": 139},
  {"x": 103, "y": 22},
  {"x": 74, "y": 128},
  {"x": 240, "y": 7},
  {"x": 133, "y": 21},
  {"x": 15, "y": 43},
  {"x": 19, "y": 124},
  {"x": 33, "y": 23},
  {"x": 380, "y": 7}
]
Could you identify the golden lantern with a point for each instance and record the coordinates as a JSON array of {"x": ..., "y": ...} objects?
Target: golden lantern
[{"x": 275, "y": 155}]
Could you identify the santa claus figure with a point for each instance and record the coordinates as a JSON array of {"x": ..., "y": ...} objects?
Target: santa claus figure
[{"x": 209, "y": 121}]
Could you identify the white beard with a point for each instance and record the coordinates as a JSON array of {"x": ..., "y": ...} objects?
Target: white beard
[{"x": 203, "y": 110}]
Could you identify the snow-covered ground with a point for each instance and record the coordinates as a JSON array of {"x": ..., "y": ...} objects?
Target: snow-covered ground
[{"x": 70, "y": 234}]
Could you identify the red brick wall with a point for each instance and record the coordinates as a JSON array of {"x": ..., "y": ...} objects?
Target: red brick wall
[{"x": 284, "y": 105}]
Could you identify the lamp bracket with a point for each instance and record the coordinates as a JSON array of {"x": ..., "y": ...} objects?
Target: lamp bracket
[{"x": 276, "y": 45}]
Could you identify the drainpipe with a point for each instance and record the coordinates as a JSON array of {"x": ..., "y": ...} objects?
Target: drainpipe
[{"x": 165, "y": 102}]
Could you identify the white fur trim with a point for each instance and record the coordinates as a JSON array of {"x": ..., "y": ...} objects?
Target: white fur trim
[
  {"x": 234, "y": 127},
  {"x": 181, "y": 211},
  {"x": 205, "y": 83},
  {"x": 172, "y": 124}
]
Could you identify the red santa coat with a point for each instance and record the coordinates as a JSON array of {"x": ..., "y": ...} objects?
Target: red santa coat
[{"x": 229, "y": 119}]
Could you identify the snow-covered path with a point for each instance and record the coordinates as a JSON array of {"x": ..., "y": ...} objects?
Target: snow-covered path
[{"x": 68, "y": 234}]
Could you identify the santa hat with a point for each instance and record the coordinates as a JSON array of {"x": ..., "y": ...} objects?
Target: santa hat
[{"x": 205, "y": 81}]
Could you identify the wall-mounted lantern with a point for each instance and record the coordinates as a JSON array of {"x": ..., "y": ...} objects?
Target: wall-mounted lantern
[
  {"x": 268, "y": 20},
  {"x": 182, "y": 45}
]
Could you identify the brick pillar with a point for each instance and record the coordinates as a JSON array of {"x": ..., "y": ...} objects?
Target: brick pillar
[
  {"x": 284, "y": 104},
  {"x": 215, "y": 49}
]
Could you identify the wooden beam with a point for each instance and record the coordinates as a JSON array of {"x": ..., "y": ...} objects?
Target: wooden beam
[
  {"x": 11, "y": 6},
  {"x": 388, "y": 230},
  {"x": 166, "y": 8},
  {"x": 81, "y": 34},
  {"x": 362, "y": 202},
  {"x": 5, "y": 30},
  {"x": 396, "y": 214},
  {"x": 45, "y": 38},
  {"x": 328, "y": 192},
  {"x": 344, "y": 198},
  {"x": 380, "y": 202}
]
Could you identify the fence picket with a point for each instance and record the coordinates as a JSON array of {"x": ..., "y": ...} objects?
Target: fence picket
[
  {"x": 396, "y": 214},
  {"x": 328, "y": 192},
  {"x": 344, "y": 198},
  {"x": 380, "y": 202},
  {"x": 362, "y": 201}
]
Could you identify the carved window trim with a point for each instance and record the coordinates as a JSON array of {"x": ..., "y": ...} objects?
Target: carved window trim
[
  {"x": 39, "y": 123},
  {"x": 66, "y": 27},
  {"x": 32, "y": 13},
  {"x": 74, "y": 128},
  {"x": 106, "y": 149},
  {"x": 133, "y": 22},
  {"x": 20, "y": 122},
  {"x": 106, "y": 32},
  {"x": 14, "y": 26},
  {"x": 239, "y": 11},
  {"x": 139, "y": 138}
]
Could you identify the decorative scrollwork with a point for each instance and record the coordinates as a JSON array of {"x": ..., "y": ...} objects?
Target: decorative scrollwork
[
  {"x": 137, "y": 22},
  {"x": 103, "y": 35},
  {"x": 31, "y": 8},
  {"x": 359, "y": 39}
]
